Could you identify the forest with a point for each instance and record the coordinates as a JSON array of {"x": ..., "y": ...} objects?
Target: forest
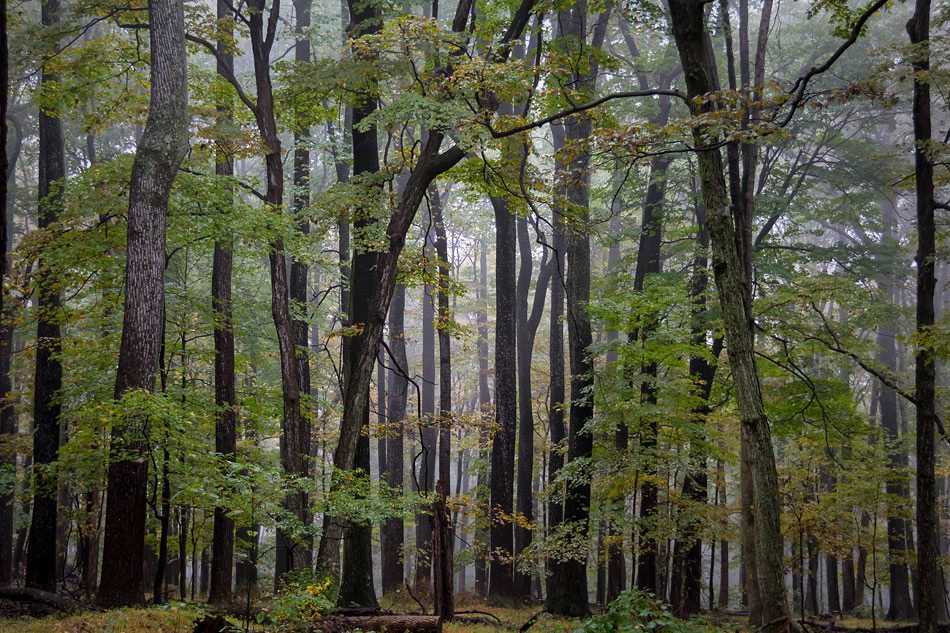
[{"x": 562, "y": 316}]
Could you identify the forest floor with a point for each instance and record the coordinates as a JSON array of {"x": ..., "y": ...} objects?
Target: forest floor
[{"x": 180, "y": 618}]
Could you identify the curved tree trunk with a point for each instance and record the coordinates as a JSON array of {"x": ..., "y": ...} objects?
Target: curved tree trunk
[
  {"x": 687, "y": 19},
  {"x": 161, "y": 149}
]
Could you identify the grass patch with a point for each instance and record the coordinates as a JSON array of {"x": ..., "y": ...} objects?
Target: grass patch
[{"x": 153, "y": 620}]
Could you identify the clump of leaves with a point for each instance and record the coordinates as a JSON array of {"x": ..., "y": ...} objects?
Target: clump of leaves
[
  {"x": 301, "y": 599},
  {"x": 635, "y": 611}
]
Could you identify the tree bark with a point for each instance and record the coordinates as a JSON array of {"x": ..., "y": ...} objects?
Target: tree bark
[
  {"x": 429, "y": 436},
  {"x": 7, "y": 418},
  {"x": 687, "y": 18},
  {"x": 225, "y": 396},
  {"x": 931, "y": 604},
  {"x": 392, "y": 532},
  {"x": 484, "y": 408},
  {"x": 161, "y": 149},
  {"x": 501, "y": 568},
  {"x": 41, "y": 556}
]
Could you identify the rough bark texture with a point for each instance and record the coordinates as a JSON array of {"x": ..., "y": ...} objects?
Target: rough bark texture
[
  {"x": 161, "y": 149},
  {"x": 356, "y": 585},
  {"x": 225, "y": 397},
  {"x": 41, "y": 556},
  {"x": 443, "y": 593},
  {"x": 381, "y": 623},
  {"x": 392, "y": 533},
  {"x": 501, "y": 571},
  {"x": 931, "y": 604},
  {"x": 687, "y": 19}
]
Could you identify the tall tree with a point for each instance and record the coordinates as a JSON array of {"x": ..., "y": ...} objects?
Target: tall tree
[
  {"x": 732, "y": 280},
  {"x": 900, "y": 605},
  {"x": 502, "y": 475},
  {"x": 392, "y": 534},
  {"x": 428, "y": 433},
  {"x": 225, "y": 396},
  {"x": 485, "y": 414},
  {"x": 161, "y": 149},
  {"x": 356, "y": 585},
  {"x": 41, "y": 556},
  {"x": 931, "y": 604},
  {"x": 7, "y": 421}
]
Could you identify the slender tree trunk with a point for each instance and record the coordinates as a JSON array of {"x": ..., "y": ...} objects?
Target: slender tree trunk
[
  {"x": 572, "y": 597},
  {"x": 484, "y": 408},
  {"x": 687, "y": 18},
  {"x": 525, "y": 344},
  {"x": 392, "y": 533},
  {"x": 161, "y": 149},
  {"x": 444, "y": 589},
  {"x": 225, "y": 397},
  {"x": 429, "y": 436},
  {"x": 723, "y": 544},
  {"x": 41, "y": 556},
  {"x": 649, "y": 263},
  {"x": 557, "y": 388},
  {"x": 7, "y": 419},
  {"x": 299, "y": 287},
  {"x": 931, "y": 604},
  {"x": 900, "y": 605}
]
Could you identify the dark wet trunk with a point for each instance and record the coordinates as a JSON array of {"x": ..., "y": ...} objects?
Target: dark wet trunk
[{"x": 42, "y": 553}]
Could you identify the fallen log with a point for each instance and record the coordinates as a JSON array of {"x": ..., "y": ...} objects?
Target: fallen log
[
  {"x": 379, "y": 623},
  {"x": 37, "y": 596}
]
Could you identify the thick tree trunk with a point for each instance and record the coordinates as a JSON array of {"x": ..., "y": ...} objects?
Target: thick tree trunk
[
  {"x": 501, "y": 573},
  {"x": 225, "y": 397},
  {"x": 161, "y": 149},
  {"x": 356, "y": 585},
  {"x": 931, "y": 604},
  {"x": 41, "y": 556},
  {"x": 392, "y": 532},
  {"x": 687, "y": 18}
]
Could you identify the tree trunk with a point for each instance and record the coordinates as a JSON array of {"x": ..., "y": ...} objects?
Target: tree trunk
[
  {"x": 484, "y": 408},
  {"x": 501, "y": 573},
  {"x": 687, "y": 18},
  {"x": 901, "y": 607},
  {"x": 724, "y": 544},
  {"x": 161, "y": 149},
  {"x": 225, "y": 397},
  {"x": 7, "y": 419},
  {"x": 356, "y": 586},
  {"x": 931, "y": 605},
  {"x": 443, "y": 559},
  {"x": 649, "y": 263},
  {"x": 429, "y": 436},
  {"x": 392, "y": 532},
  {"x": 41, "y": 556},
  {"x": 557, "y": 387},
  {"x": 571, "y": 597}
]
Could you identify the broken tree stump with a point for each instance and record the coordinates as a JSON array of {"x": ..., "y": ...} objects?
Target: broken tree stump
[{"x": 379, "y": 623}]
